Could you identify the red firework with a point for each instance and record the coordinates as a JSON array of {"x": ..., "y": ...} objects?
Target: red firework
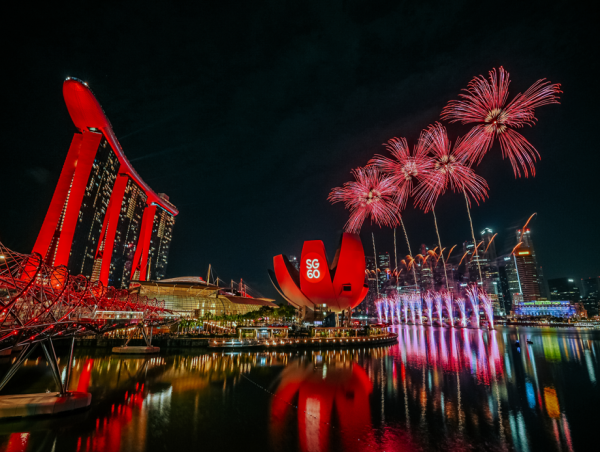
[
  {"x": 486, "y": 103},
  {"x": 404, "y": 168},
  {"x": 371, "y": 195},
  {"x": 450, "y": 170}
]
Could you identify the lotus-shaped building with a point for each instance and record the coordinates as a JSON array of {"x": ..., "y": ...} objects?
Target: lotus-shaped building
[{"x": 318, "y": 285}]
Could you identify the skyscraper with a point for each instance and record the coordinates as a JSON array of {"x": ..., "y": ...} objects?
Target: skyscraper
[
  {"x": 591, "y": 294},
  {"x": 562, "y": 289},
  {"x": 512, "y": 277},
  {"x": 294, "y": 261},
  {"x": 526, "y": 240},
  {"x": 489, "y": 268},
  {"x": 384, "y": 271},
  {"x": 368, "y": 305},
  {"x": 104, "y": 221},
  {"x": 527, "y": 274}
]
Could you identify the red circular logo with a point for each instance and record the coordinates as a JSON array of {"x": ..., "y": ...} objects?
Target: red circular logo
[{"x": 314, "y": 266}]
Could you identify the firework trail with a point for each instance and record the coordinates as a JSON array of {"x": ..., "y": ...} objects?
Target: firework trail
[
  {"x": 403, "y": 308},
  {"x": 492, "y": 239},
  {"x": 438, "y": 307},
  {"x": 396, "y": 308},
  {"x": 399, "y": 309},
  {"x": 460, "y": 302},
  {"x": 437, "y": 256},
  {"x": 386, "y": 308},
  {"x": 515, "y": 248},
  {"x": 461, "y": 259},
  {"x": 450, "y": 252},
  {"x": 529, "y": 219},
  {"x": 379, "y": 307},
  {"x": 372, "y": 196},
  {"x": 447, "y": 296},
  {"x": 418, "y": 303},
  {"x": 429, "y": 303},
  {"x": 488, "y": 308},
  {"x": 485, "y": 104},
  {"x": 473, "y": 294}
]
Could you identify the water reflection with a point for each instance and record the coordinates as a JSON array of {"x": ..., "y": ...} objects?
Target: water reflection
[
  {"x": 312, "y": 392},
  {"x": 436, "y": 389}
]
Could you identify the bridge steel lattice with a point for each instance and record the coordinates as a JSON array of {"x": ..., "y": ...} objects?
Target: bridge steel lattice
[{"x": 40, "y": 303}]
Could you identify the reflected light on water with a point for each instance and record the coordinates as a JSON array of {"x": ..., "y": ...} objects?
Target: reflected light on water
[{"x": 438, "y": 388}]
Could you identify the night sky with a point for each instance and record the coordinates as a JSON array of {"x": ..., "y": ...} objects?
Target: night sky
[{"x": 246, "y": 114}]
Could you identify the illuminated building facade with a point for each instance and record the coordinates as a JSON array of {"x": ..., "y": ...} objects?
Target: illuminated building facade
[
  {"x": 545, "y": 308},
  {"x": 489, "y": 269},
  {"x": 527, "y": 274},
  {"x": 322, "y": 286},
  {"x": 104, "y": 221},
  {"x": 193, "y": 297},
  {"x": 383, "y": 264},
  {"x": 525, "y": 238},
  {"x": 512, "y": 285},
  {"x": 367, "y": 306}
]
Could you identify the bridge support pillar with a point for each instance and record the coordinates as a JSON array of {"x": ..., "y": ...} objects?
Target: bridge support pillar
[{"x": 20, "y": 405}]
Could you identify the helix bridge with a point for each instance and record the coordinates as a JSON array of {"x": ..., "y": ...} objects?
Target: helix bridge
[{"x": 40, "y": 303}]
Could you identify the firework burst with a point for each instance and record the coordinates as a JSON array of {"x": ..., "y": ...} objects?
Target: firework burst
[
  {"x": 404, "y": 168},
  {"x": 485, "y": 103},
  {"x": 449, "y": 170},
  {"x": 371, "y": 195}
]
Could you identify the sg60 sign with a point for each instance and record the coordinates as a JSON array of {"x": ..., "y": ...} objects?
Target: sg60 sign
[{"x": 313, "y": 270}]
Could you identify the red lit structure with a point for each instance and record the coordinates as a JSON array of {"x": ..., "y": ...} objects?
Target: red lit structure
[
  {"x": 317, "y": 285},
  {"x": 40, "y": 303},
  {"x": 317, "y": 395},
  {"x": 104, "y": 221}
]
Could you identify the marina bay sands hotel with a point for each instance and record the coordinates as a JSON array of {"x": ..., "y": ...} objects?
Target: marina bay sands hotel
[{"x": 104, "y": 221}]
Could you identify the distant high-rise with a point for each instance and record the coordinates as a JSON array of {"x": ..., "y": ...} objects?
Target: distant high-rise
[
  {"x": 513, "y": 285},
  {"x": 367, "y": 306},
  {"x": 591, "y": 287},
  {"x": 294, "y": 261},
  {"x": 590, "y": 294},
  {"x": 562, "y": 289},
  {"x": 502, "y": 272},
  {"x": 527, "y": 274},
  {"x": 425, "y": 269},
  {"x": 489, "y": 268},
  {"x": 383, "y": 264},
  {"x": 525, "y": 237},
  {"x": 104, "y": 221}
]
